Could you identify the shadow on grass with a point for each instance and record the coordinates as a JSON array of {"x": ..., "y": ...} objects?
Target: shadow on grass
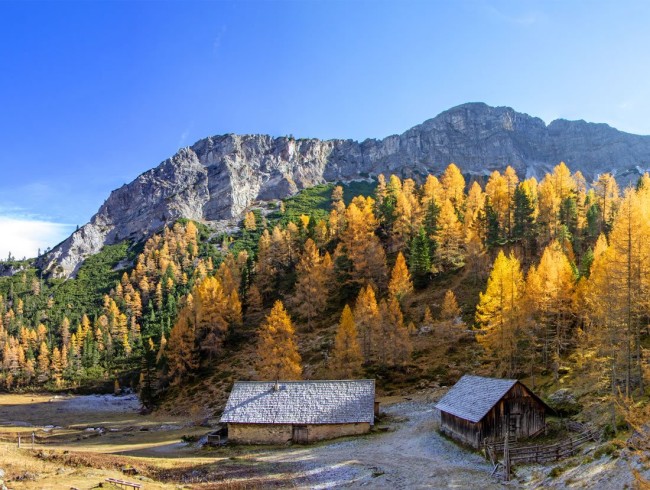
[{"x": 235, "y": 472}]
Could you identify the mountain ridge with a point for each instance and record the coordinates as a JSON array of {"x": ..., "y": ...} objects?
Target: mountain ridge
[{"x": 219, "y": 177}]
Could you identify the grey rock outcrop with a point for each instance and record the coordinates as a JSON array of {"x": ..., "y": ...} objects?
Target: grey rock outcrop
[
  {"x": 564, "y": 402},
  {"x": 219, "y": 177},
  {"x": 10, "y": 269}
]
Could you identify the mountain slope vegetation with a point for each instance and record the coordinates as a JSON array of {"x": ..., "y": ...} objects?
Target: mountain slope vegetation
[{"x": 412, "y": 284}]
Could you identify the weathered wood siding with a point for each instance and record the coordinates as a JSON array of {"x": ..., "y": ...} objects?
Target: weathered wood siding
[
  {"x": 283, "y": 433},
  {"x": 517, "y": 409},
  {"x": 460, "y": 429}
]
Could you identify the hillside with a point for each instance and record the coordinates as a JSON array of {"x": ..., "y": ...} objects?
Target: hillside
[
  {"x": 219, "y": 178},
  {"x": 513, "y": 279}
]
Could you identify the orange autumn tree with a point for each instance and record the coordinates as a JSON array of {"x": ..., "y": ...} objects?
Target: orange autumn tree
[
  {"x": 346, "y": 359},
  {"x": 450, "y": 309},
  {"x": 362, "y": 245},
  {"x": 450, "y": 253},
  {"x": 214, "y": 313},
  {"x": 550, "y": 288},
  {"x": 393, "y": 346},
  {"x": 181, "y": 353},
  {"x": 314, "y": 279},
  {"x": 499, "y": 313},
  {"x": 43, "y": 366},
  {"x": 618, "y": 292},
  {"x": 277, "y": 352},
  {"x": 450, "y": 326},
  {"x": 400, "y": 280},
  {"x": 453, "y": 185},
  {"x": 265, "y": 271},
  {"x": 366, "y": 314},
  {"x": 249, "y": 221},
  {"x": 608, "y": 198}
]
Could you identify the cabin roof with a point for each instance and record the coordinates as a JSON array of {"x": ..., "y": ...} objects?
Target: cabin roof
[
  {"x": 301, "y": 402},
  {"x": 473, "y": 396}
]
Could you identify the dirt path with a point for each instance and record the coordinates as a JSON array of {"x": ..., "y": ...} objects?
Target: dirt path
[{"x": 413, "y": 455}]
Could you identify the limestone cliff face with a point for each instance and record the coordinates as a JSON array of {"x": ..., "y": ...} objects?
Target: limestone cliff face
[
  {"x": 176, "y": 188},
  {"x": 219, "y": 177}
]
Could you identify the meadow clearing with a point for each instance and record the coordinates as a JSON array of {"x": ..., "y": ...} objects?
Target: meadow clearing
[{"x": 80, "y": 441}]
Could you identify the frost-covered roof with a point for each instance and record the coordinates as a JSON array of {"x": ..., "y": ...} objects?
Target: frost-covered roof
[
  {"x": 301, "y": 402},
  {"x": 473, "y": 396}
]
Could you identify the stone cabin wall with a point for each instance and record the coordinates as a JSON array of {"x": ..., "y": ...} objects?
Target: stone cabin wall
[
  {"x": 330, "y": 431},
  {"x": 283, "y": 433}
]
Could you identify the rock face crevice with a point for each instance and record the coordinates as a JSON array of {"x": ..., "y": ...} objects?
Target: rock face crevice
[{"x": 219, "y": 177}]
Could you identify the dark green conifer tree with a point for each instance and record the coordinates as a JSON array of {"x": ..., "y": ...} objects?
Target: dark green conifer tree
[{"x": 420, "y": 259}]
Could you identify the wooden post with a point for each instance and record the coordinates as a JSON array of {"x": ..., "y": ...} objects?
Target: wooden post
[
  {"x": 506, "y": 455},
  {"x": 18, "y": 442},
  {"x": 33, "y": 437}
]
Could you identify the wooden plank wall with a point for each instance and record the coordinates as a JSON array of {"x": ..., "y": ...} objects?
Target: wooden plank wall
[{"x": 518, "y": 405}]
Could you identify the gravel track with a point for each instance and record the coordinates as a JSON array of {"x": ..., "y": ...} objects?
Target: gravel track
[{"x": 411, "y": 455}]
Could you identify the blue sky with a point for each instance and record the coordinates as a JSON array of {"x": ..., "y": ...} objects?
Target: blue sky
[{"x": 94, "y": 93}]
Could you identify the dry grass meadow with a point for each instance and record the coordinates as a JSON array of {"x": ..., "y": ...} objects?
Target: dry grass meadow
[{"x": 81, "y": 441}]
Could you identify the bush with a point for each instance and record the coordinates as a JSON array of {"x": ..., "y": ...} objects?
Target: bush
[{"x": 608, "y": 449}]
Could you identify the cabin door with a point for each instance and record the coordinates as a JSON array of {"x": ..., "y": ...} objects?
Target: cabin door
[
  {"x": 300, "y": 434},
  {"x": 514, "y": 425}
]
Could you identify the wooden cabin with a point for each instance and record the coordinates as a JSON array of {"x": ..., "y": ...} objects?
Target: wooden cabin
[
  {"x": 477, "y": 409},
  {"x": 298, "y": 411}
]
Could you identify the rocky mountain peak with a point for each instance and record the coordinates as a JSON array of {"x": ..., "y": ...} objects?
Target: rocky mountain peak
[{"x": 218, "y": 178}]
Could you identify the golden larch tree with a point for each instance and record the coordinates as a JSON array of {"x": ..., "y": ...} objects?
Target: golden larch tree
[
  {"x": 211, "y": 314},
  {"x": 453, "y": 185},
  {"x": 450, "y": 253},
  {"x": 253, "y": 301},
  {"x": 550, "y": 293},
  {"x": 450, "y": 309},
  {"x": 182, "y": 358},
  {"x": 401, "y": 344},
  {"x": 400, "y": 280},
  {"x": 473, "y": 206},
  {"x": 496, "y": 189},
  {"x": 499, "y": 313},
  {"x": 511, "y": 180},
  {"x": 362, "y": 246},
  {"x": 408, "y": 215},
  {"x": 393, "y": 346},
  {"x": 56, "y": 367},
  {"x": 432, "y": 190},
  {"x": 627, "y": 261},
  {"x": 277, "y": 352},
  {"x": 265, "y": 271},
  {"x": 312, "y": 284},
  {"x": 337, "y": 199},
  {"x": 450, "y": 327},
  {"x": 366, "y": 314},
  {"x": 43, "y": 366},
  {"x": 250, "y": 222},
  {"x": 346, "y": 359},
  {"x": 65, "y": 332}
]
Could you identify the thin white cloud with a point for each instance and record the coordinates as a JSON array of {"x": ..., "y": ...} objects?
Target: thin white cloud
[
  {"x": 183, "y": 139},
  {"x": 524, "y": 19},
  {"x": 216, "y": 44},
  {"x": 24, "y": 237},
  {"x": 185, "y": 134}
]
